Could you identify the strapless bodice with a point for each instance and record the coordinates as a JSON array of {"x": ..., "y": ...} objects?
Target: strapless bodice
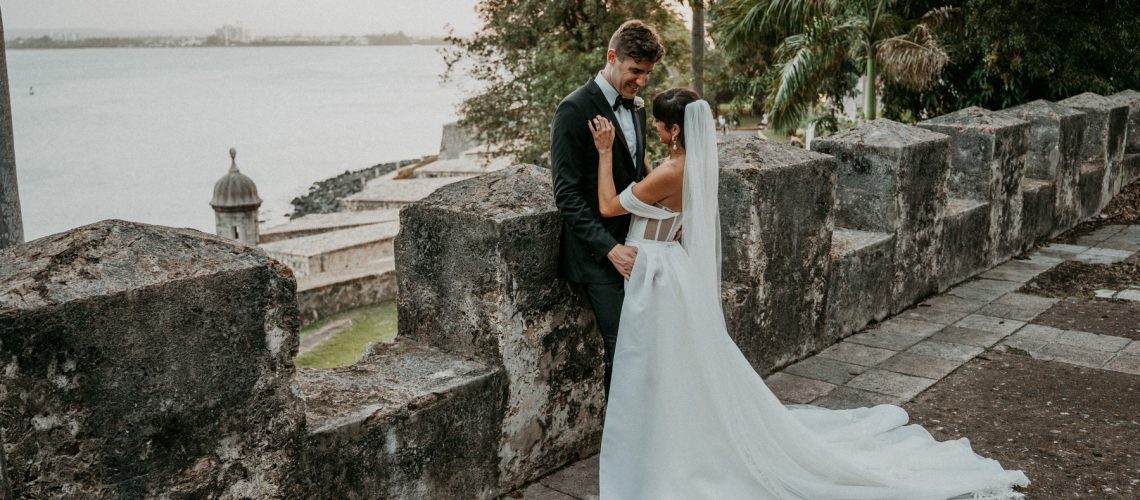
[
  {"x": 649, "y": 222},
  {"x": 644, "y": 228}
]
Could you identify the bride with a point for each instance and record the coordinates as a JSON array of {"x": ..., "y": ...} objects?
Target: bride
[{"x": 688, "y": 418}]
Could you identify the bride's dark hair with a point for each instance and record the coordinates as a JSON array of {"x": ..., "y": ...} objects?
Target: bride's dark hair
[{"x": 669, "y": 108}]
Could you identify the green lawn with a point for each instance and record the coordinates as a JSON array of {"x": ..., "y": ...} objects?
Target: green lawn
[
  {"x": 749, "y": 121},
  {"x": 376, "y": 323}
]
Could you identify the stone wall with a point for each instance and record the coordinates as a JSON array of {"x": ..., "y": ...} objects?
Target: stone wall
[
  {"x": 407, "y": 421},
  {"x": 456, "y": 140},
  {"x": 478, "y": 277},
  {"x": 892, "y": 179},
  {"x": 144, "y": 361},
  {"x": 319, "y": 299},
  {"x": 776, "y": 222}
]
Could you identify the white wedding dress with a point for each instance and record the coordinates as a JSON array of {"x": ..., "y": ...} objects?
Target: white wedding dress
[{"x": 689, "y": 419}]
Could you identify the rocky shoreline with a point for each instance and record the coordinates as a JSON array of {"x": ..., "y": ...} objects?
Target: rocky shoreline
[{"x": 324, "y": 196}]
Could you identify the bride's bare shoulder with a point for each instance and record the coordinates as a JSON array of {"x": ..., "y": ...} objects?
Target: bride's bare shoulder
[{"x": 669, "y": 168}]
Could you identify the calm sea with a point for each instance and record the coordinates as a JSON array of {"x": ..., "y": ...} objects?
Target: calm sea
[{"x": 143, "y": 134}]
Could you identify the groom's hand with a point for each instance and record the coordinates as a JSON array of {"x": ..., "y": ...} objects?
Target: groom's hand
[{"x": 622, "y": 257}]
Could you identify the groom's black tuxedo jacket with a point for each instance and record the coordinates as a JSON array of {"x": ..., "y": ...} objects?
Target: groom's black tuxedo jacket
[{"x": 586, "y": 237}]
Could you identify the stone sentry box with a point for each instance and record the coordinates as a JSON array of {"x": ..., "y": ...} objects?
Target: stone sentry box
[
  {"x": 987, "y": 163},
  {"x": 1102, "y": 151},
  {"x": 892, "y": 179},
  {"x": 477, "y": 277},
  {"x": 776, "y": 224},
  {"x": 1055, "y": 136}
]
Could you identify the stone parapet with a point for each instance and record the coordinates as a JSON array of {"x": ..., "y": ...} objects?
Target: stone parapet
[
  {"x": 392, "y": 192},
  {"x": 407, "y": 421},
  {"x": 1106, "y": 127},
  {"x": 988, "y": 164},
  {"x": 325, "y": 294},
  {"x": 1055, "y": 141},
  {"x": 963, "y": 251},
  {"x": 859, "y": 292},
  {"x": 892, "y": 179},
  {"x": 478, "y": 277},
  {"x": 776, "y": 223},
  {"x": 1130, "y": 98},
  {"x": 1131, "y": 167},
  {"x": 1038, "y": 217},
  {"x": 334, "y": 251},
  {"x": 311, "y": 224},
  {"x": 1091, "y": 187},
  {"x": 144, "y": 362}
]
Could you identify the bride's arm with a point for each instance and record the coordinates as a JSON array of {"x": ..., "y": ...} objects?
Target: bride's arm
[
  {"x": 658, "y": 185},
  {"x": 603, "y": 132}
]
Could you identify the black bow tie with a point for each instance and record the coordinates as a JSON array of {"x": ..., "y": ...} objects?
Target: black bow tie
[{"x": 621, "y": 101}]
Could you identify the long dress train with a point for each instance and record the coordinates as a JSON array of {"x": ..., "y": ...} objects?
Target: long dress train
[{"x": 688, "y": 418}]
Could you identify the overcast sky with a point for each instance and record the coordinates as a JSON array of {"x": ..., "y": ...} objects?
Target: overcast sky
[{"x": 415, "y": 17}]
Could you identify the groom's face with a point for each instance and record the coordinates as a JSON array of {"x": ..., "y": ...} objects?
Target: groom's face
[{"x": 628, "y": 76}]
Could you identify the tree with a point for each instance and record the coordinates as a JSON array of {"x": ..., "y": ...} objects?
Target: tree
[
  {"x": 1015, "y": 51},
  {"x": 826, "y": 44},
  {"x": 529, "y": 54},
  {"x": 697, "y": 45}
]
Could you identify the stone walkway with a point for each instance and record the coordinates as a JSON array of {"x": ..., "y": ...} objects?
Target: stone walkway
[{"x": 896, "y": 360}]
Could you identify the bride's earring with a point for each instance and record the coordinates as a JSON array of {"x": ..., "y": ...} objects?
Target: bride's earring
[{"x": 673, "y": 143}]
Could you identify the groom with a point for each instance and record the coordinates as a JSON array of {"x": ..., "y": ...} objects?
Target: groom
[{"x": 592, "y": 256}]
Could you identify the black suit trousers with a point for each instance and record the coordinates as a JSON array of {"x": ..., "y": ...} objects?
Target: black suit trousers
[{"x": 606, "y": 300}]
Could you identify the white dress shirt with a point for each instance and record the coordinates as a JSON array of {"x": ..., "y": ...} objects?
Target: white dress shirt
[{"x": 624, "y": 116}]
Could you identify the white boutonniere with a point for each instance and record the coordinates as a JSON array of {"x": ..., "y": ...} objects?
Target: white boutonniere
[{"x": 638, "y": 102}]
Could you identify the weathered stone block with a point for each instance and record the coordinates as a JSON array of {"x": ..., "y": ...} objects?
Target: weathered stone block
[
  {"x": 1106, "y": 127},
  {"x": 325, "y": 294},
  {"x": 859, "y": 291},
  {"x": 987, "y": 163},
  {"x": 407, "y": 421},
  {"x": 1038, "y": 212},
  {"x": 146, "y": 362},
  {"x": 1092, "y": 194},
  {"x": 1130, "y": 98},
  {"x": 1055, "y": 140},
  {"x": 775, "y": 204},
  {"x": 963, "y": 251},
  {"x": 477, "y": 276},
  {"x": 892, "y": 179},
  {"x": 1131, "y": 167}
]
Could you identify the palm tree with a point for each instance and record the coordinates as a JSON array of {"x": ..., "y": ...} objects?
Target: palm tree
[
  {"x": 825, "y": 43},
  {"x": 697, "y": 44}
]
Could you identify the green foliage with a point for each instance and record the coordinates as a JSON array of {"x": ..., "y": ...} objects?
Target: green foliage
[
  {"x": 532, "y": 53},
  {"x": 1015, "y": 51},
  {"x": 819, "y": 49}
]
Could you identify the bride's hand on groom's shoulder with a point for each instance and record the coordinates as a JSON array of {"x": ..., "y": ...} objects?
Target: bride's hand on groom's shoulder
[{"x": 603, "y": 132}]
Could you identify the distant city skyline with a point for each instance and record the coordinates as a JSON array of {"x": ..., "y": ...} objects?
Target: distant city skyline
[{"x": 268, "y": 17}]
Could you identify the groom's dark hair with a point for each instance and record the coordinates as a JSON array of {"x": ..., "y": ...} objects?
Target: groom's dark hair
[{"x": 637, "y": 40}]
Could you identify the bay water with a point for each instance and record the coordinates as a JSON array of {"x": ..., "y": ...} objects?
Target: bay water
[{"x": 143, "y": 134}]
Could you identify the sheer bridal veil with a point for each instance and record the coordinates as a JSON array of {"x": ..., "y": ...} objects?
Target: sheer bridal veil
[{"x": 699, "y": 198}]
